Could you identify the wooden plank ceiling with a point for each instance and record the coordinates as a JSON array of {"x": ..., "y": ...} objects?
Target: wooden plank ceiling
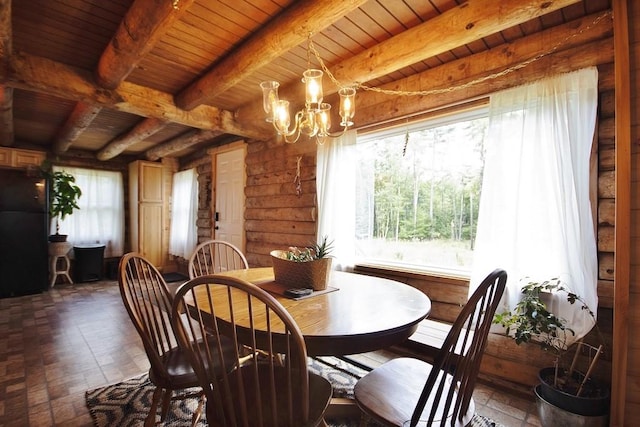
[{"x": 155, "y": 78}]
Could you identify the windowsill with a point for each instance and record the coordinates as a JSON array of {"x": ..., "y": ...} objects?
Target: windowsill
[{"x": 409, "y": 271}]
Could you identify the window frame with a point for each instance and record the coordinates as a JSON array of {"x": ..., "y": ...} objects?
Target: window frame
[{"x": 434, "y": 119}]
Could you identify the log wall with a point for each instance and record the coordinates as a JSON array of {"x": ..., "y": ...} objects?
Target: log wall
[{"x": 277, "y": 217}]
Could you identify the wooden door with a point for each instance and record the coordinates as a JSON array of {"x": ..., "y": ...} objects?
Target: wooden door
[
  {"x": 229, "y": 199},
  {"x": 150, "y": 232},
  {"x": 146, "y": 210}
]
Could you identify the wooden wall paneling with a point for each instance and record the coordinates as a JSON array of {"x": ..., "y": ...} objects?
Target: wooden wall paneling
[{"x": 276, "y": 217}]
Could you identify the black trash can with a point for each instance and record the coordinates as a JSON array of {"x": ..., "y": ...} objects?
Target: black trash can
[{"x": 89, "y": 262}]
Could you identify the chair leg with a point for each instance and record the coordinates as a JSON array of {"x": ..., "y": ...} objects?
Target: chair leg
[
  {"x": 150, "y": 421},
  {"x": 198, "y": 412},
  {"x": 166, "y": 400}
]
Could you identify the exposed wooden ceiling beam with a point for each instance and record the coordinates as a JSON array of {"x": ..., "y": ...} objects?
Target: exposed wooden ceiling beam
[
  {"x": 280, "y": 35},
  {"x": 140, "y": 132},
  {"x": 42, "y": 75},
  {"x": 143, "y": 25},
  {"x": 578, "y": 51},
  {"x": 141, "y": 28},
  {"x": 456, "y": 27},
  {"x": 186, "y": 140},
  {"x": 79, "y": 120},
  {"x": 7, "y": 137}
]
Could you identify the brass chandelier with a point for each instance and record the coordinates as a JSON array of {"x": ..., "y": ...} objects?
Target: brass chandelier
[{"x": 314, "y": 120}]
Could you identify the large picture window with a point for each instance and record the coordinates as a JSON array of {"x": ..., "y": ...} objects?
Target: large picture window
[{"x": 417, "y": 192}]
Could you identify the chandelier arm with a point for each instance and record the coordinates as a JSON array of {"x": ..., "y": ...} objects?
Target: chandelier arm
[
  {"x": 286, "y": 132},
  {"x": 296, "y": 129},
  {"x": 337, "y": 134},
  {"x": 286, "y": 138}
]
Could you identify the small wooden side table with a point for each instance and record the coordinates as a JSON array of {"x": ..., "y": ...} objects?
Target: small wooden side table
[{"x": 59, "y": 263}]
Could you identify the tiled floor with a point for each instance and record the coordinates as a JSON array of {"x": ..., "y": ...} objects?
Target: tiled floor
[{"x": 54, "y": 346}]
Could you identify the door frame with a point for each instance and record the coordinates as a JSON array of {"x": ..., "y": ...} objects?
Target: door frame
[{"x": 213, "y": 153}]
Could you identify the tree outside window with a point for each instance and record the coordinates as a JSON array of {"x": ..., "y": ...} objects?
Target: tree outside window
[{"x": 417, "y": 192}]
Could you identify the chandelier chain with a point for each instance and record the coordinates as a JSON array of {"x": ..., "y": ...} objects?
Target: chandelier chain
[{"x": 312, "y": 48}]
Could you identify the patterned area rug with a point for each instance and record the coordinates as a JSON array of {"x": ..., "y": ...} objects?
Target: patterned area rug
[{"x": 127, "y": 403}]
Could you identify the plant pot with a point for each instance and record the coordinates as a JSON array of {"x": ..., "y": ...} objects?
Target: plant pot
[
  {"x": 58, "y": 249},
  {"x": 554, "y": 416},
  {"x": 593, "y": 402},
  {"x": 58, "y": 238},
  {"x": 311, "y": 274}
]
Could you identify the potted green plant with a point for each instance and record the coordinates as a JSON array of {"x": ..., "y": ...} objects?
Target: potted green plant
[
  {"x": 63, "y": 199},
  {"x": 562, "y": 386},
  {"x": 308, "y": 267}
]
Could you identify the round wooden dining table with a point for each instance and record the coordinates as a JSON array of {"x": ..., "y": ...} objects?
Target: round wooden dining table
[{"x": 355, "y": 314}]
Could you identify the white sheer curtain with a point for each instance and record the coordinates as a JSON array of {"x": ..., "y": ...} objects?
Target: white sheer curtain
[
  {"x": 535, "y": 216},
  {"x": 184, "y": 213},
  {"x": 100, "y": 218},
  {"x": 335, "y": 187}
]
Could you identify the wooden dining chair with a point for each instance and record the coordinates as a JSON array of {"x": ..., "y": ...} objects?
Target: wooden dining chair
[
  {"x": 214, "y": 256},
  {"x": 409, "y": 392},
  {"x": 148, "y": 302},
  {"x": 272, "y": 388}
]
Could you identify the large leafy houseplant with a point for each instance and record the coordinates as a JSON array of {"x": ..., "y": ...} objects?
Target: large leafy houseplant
[
  {"x": 532, "y": 321},
  {"x": 63, "y": 196}
]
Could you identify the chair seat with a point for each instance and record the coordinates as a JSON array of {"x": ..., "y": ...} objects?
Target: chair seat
[
  {"x": 409, "y": 392},
  {"x": 389, "y": 393},
  {"x": 179, "y": 369}
]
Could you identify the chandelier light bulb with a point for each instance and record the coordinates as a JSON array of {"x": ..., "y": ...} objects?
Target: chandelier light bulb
[
  {"x": 323, "y": 117},
  {"x": 313, "y": 83},
  {"x": 347, "y": 105},
  {"x": 282, "y": 119},
  {"x": 269, "y": 98}
]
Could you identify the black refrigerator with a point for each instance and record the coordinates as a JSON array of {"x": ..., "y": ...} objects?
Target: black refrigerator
[{"x": 23, "y": 233}]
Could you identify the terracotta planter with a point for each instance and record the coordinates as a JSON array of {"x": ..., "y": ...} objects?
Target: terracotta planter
[{"x": 311, "y": 274}]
